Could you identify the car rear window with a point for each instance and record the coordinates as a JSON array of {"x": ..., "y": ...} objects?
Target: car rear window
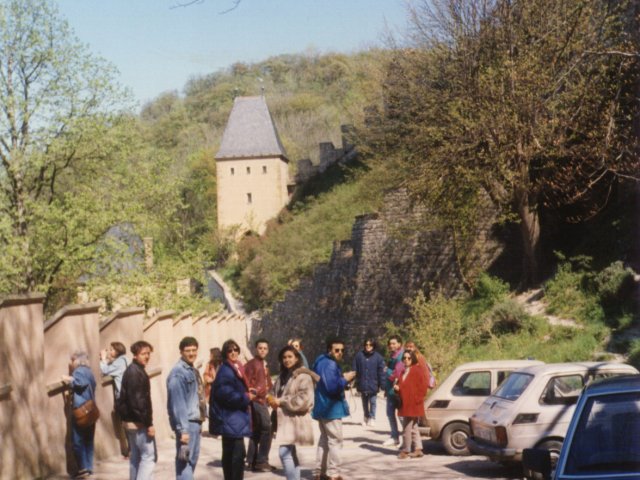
[
  {"x": 513, "y": 386},
  {"x": 607, "y": 436},
  {"x": 474, "y": 384}
]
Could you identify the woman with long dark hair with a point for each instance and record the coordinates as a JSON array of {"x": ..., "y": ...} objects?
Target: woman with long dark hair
[{"x": 293, "y": 401}]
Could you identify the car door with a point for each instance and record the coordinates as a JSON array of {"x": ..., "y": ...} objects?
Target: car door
[{"x": 557, "y": 404}]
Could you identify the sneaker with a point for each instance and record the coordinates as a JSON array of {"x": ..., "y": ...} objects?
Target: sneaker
[
  {"x": 372, "y": 422},
  {"x": 402, "y": 455},
  {"x": 390, "y": 442},
  {"x": 416, "y": 454},
  {"x": 365, "y": 422}
]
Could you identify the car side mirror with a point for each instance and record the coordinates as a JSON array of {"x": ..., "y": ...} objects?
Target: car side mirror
[{"x": 537, "y": 460}]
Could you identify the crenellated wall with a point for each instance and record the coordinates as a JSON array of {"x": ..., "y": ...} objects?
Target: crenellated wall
[
  {"x": 35, "y": 354},
  {"x": 370, "y": 278}
]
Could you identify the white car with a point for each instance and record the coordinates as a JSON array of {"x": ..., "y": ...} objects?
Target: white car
[
  {"x": 450, "y": 405},
  {"x": 533, "y": 408}
]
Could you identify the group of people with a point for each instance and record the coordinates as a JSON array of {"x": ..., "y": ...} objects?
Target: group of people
[
  {"x": 405, "y": 378},
  {"x": 244, "y": 401}
]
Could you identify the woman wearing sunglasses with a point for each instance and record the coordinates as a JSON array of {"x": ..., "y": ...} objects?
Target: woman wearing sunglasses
[
  {"x": 412, "y": 388},
  {"x": 229, "y": 411}
]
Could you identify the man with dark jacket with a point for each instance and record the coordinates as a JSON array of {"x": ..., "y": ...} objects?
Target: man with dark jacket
[
  {"x": 370, "y": 377},
  {"x": 134, "y": 407},
  {"x": 329, "y": 408},
  {"x": 259, "y": 382}
]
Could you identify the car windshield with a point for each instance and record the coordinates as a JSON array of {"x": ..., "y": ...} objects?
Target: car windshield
[
  {"x": 607, "y": 436},
  {"x": 513, "y": 386}
]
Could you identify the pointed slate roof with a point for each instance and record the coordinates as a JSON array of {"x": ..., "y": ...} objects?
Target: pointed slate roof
[{"x": 250, "y": 131}]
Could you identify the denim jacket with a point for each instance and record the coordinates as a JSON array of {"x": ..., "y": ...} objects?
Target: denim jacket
[
  {"x": 116, "y": 370},
  {"x": 83, "y": 385},
  {"x": 183, "y": 403}
]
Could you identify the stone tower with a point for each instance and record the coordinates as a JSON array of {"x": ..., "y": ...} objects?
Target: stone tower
[{"x": 251, "y": 167}]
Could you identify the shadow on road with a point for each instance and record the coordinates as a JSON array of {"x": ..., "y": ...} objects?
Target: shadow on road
[{"x": 473, "y": 468}]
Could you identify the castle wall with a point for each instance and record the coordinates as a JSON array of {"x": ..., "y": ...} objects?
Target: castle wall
[{"x": 370, "y": 278}]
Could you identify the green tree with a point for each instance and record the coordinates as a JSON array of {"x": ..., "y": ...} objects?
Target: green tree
[
  {"x": 529, "y": 104},
  {"x": 62, "y": 148}
]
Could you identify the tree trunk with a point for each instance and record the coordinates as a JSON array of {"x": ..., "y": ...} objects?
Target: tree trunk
[
  {"x": 530, "y": 233},
  {"x": 22, "y": 231}
]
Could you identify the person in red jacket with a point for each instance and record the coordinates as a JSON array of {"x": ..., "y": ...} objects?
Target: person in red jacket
[
  {"x": 259, "y": 383},
  {"x": 412, "y": 388}
]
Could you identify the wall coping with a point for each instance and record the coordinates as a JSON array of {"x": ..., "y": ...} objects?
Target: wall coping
[
  {"x": 22, "y": 299},
  {"x": 106, "y": 380},
  {"x": 5, "y": 390},
  {"x": 154, "y": 372},
  {"x": 199, "y": 317},
  {"x": 57, "y": 387},
  {"x": 123, "y": 312},
  {"x": 164, "y": 315},
  {"x": 181, "y": 317},
  {"x": 71, "y": 309}
]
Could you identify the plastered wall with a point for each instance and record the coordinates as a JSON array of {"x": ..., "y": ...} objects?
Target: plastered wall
[{"x": 35, "y": 354}]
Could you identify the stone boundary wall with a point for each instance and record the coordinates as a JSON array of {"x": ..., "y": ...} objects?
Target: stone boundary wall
[
  {"x": 35, "y": 352},
  {"x": 390, "y": 257},
  {"x": 329, "y": 155}
]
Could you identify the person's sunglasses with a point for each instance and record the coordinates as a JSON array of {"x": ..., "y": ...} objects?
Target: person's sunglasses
[
  {"x": 235, "y": 349},
  {"x": 368, "y": 344},
  {"x": 338, "y": 350},
  {"x": 406, "y": 358}
]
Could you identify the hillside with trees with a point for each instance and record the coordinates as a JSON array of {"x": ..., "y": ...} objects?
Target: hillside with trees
[{"x": 529, "y": 106}]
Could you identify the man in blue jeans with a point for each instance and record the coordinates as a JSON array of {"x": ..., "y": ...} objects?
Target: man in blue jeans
[
  {"x": 134, "y": 407},
  {"x": 394, "y": 372},
  {"x": 186, "y": 407}
]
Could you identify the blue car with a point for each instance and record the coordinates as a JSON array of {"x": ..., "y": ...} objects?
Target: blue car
[{"x": 603, "y": 439}]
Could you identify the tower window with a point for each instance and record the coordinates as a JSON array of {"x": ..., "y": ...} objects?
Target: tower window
[
  {"x": 264, "y": 169},
  {"x": 233, "y": 171},
  {"x": 249, "y": 198},
  {"x": 248, "y": 170}
]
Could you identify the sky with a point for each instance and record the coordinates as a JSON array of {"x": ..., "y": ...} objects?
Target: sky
[{"x": 157, "y": 46}]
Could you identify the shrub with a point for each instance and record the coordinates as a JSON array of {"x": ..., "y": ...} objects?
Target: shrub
[
  {"x": 487, "y": 292},
  {"x": 435, "y": 326},
  {"x": 634, "y": 353},
  {"x": 510, "y": 317}
]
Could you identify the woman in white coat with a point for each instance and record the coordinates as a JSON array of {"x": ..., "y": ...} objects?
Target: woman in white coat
[{"x": 293, "y": 401}]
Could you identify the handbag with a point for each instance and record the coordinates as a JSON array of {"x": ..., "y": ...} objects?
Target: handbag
[{"x": 86, "y": 414}]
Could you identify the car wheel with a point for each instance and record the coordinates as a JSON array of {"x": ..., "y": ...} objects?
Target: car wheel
[
  {"x": 554, "y": 447},
  {"x": 454, "y": 438}
]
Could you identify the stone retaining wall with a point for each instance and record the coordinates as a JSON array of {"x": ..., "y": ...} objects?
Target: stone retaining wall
[{"x": 390, "y": 257}]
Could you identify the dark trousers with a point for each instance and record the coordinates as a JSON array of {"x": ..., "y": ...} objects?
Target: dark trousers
[
  {"x": 260, "y": 442},
  {"x": 233, "y": 454}
]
